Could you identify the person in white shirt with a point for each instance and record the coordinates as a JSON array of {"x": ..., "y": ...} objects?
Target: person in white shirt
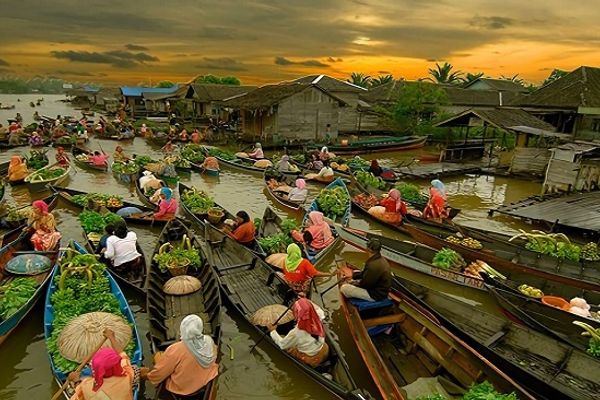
[
  {"x": 121, "y": 250},
  {"x": 326, "y": 173},
  {"x": 306, "y": 341},
  {"x": 299, "y": 193}
]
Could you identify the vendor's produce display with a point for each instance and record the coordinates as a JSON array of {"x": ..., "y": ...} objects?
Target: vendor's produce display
[
  {"x": 92, "y": 221},
  {"x": 411, "y": 193},
  {"x": 225, "y": 155},
  {"x": 448, "y": 259},
  {"x": 36, "y": 159},
  {"x": 178, "y": 257},
  {"x": 367, "y": 179},
  {"x": 333, "y": 202},
  {"x": 556, "y": 244},
  {"x": 465, "y": 241},
  {"x": 47, "y": 174},
  {"x": 125, "y": 168},
  {"x": 14, "y": 294},
  {"x": 278, "y": 242},
  {"x": 197, "y": 201},
  {"x": 365, "y": 200},
  {"x": 100, "y": 199},
  {"x": 193, "y": 153},
  {"x": 531, "y": 291}
]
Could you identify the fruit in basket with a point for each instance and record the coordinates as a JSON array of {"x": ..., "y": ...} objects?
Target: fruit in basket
[
  {"x": 453, "y": 239},
  {"x": 531, "y": 291},
  {"x": 590, "y": 252}
]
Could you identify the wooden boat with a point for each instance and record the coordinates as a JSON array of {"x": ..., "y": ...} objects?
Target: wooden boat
[
  {"x": 379, "y": 144},
  {"x": 240, "y": 164},
  {"x": 145, "y": 218},
  {"x": 417, "y": 349},
  {"x": 84, "y": 164},
  {"x": 13, "y": 242},
  {"x": 279, "y": 196},
  {"x": 141, "y": 194},
  {"x": 249, "y": 284},
  {"x": 546, "y": 366},
  {"x": 561, "y": 280},
  {"x": 2, "y": 189},
  {"x": 270, "y": 224},
  {"x": 59, "y": 376},
  {"x": 202, "y": 219},
  {"x": 165, "y": 312},
  {"x": 35, "y": 186},
  {"x": 51, "y": 200}
]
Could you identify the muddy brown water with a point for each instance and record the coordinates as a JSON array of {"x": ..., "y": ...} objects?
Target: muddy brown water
[{"x": 263, "y": 374}]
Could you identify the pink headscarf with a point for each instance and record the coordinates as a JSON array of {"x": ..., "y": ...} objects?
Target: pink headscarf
[
  {"x": 300, "y": 183},
  {"x": 106, "y": 363},
  {"x": 319, "y": 225},
  {"x": 307, "y": 318},
  {"x": 40, "y": 205},
  {"x": 397, "y": 196}
]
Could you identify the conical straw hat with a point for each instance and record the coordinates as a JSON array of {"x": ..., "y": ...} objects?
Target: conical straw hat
[
  {"x": 276, "y": 260},
  {"x": 81, "y": 336},
  {"x": 269, "y": 314},
  {"x": 182, "y": 285}
]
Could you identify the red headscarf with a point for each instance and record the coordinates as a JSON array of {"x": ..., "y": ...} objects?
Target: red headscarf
[
  {"x": 40, "y": 205},
  {"x": 106, "y": 363},
  {"x": 307, "y": 318}
]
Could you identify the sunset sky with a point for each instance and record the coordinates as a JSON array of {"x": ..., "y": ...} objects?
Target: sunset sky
[{"x": 265, "y": 41}]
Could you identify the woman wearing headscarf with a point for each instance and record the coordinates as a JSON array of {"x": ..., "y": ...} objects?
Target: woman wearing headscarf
[
  {"x": 375, "y": 169},
  {"x": 436, "y": 206},
  {"x": 395, "y": 208},
  {"x": 299, "y": 193},
  {"x": 284, "y": 165},
  {"x": 61, "y": 157},
  {"x": 298, "y": 271},
  {"x": 188, "y": 365},
  {"x": 211, "y": 163},
  {"x": 112, "y": 378},
  {"x": 45, "y": 236},
  {"x": 306, "y": 341},
  {"x": 257, "y": 152},
  {"x": 324, "y": 154},
  {"x": 119, "y": 155},
  {"x": 167, "y": 206},
  {"x": 17, "y": 169},
  {"x": 318, "y": 230}
]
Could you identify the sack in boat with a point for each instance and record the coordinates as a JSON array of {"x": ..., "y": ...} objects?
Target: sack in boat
[
  {"x": 153, "y": 167},
  {"x": 182, "y": 285},
  {"x": 242, "y": 154},
  {"x": 263, "y": 164},
  {"x": 29, "y": 264},
  {"x": 377, "y": 211},
  {"x": 277, "y": 260}
]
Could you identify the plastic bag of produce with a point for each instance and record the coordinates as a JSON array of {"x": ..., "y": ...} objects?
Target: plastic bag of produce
[
  {"x": 377, "y": 211},
  {"x": 242, "y": 154},
  {"x": 580, "y": 307},
  {"x": 263, "y": 164},
  {"x": 29, "y": 264}
]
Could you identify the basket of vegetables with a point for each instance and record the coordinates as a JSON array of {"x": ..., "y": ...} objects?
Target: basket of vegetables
[
  {"x": 215, "y": 215},
  {"x": 448, "y": 259},
  {"x": 176, "y": 259},
  {"x": 333, "y": 202},
  {"x": 198, "y": 202}
]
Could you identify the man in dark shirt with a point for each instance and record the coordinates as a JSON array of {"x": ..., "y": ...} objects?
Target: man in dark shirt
[{"x": 373, "y": 283}]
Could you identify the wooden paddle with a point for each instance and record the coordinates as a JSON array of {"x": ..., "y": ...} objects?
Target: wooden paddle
[
  {"x": 79, "y": 368},
  {"x": 264, "y": 335}
]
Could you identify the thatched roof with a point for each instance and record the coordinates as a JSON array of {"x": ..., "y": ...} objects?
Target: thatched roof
[
  {"x": 212, "y": 92},
  {"x": 502, "y": 85},
  {"x": 504, "y": 118},
  {"x": 330, "y": 84},
  {"x": 579, "y": 88}
]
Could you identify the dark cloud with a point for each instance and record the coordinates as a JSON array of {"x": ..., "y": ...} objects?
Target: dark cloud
[
  {"x": 116, "y": 58},
  {"x": 306, "y": 63},
  {"x": 384, "y": 72},
  {"x": 74, "y": 73},
  {"x": 222, "y": 63},
  {"x": 334, "y": 59},
  {"x": 135, "y": 47},
  {"x": 4, "y": 62},
  {"x": 493, "y": 22}
]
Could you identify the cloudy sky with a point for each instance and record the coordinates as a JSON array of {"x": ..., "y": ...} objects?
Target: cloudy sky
[{"x": 269, "y": 40}]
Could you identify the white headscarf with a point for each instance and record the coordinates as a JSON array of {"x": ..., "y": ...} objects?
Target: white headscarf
[
  {"x": 200, "y": 345},
  {"x": 325, "y": 150}
]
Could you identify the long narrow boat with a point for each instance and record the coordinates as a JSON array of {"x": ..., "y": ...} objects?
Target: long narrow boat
[
  {"x": 417, "y": 349},
  {"x": 166, "y": 311},
  {"x": 279, "y": 196},
  {"x": 270, "y": 224},
  {"x": 379, "y": 144},
  {"x": 562, "y": 280},
  {"x": 145, "y": 218},
  {"x": 38, "y": 185},
  {"x": 240, "y": 164},
  {"x": 547, "y": 367},
  {"x": 13, "y": 242},
  {"x": 115, "y": 290},
  {"x": 81, "y": 157},
  {"x": 141, "y": 194},
  {"x": 249, "y": 284}
]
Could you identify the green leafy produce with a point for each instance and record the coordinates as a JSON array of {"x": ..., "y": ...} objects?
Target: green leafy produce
[
  {"x": 37, "y": 159},
  {"x": 18, "y": 213},
  {"x": 14, "y": 294},
  {"x": 299, "y": 158},
  {"x": 448, "y": 259},
  {"x": 197, "y": 201},
  {"x": 225, "y": 155},
  {"x": 46, "y": 174},
  {"x": 358, "y": 163},
  {"x": 333, "y": 202},
  {"x": 143, "y": 160},
  {"x": 193, "y": 152},
  {"x": 182, "y": 163},
  {"x": 553, "y": 244},
  {"x": 106, "y": 200},
  {"x": 436, "y": 396},
  {"x": 170, "y": 255},
  {"x": 276, "y": 243},
  {"x": 288, "y": 225},
  {"x": 594, "y": 347},
  {"x": 125, "y": 168},
  {"x": 486, "y": 391},
  {"x": 411, "y": 193},
  {"x": 92, "y": 221},
  {"x": 367, "y": 179}
]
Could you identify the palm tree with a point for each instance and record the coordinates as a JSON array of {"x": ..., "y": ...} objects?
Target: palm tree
[
  {"x": 554, "y": 75},
  {"x": 382, "y": 80},
  {"x": 360, "y": 79},
  {"x": 472, "y": 77},
  {"x": 444, "y": 74},
  {"x": 515, "y": 78}
]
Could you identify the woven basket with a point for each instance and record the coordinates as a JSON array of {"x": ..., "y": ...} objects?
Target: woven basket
[
  {"x": 178, "y": 270},
  {"x": 215, "y": 216}
]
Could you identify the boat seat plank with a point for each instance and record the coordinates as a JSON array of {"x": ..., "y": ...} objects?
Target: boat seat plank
[
  {"x": 494, "y": 338},
  {"x": 249, "y": 289},
  {"x": 385, "y": 320}
]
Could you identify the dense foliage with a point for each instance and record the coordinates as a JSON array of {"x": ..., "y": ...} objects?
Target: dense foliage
[
  {"x": 92, "y": 221},
  {"x": 179, "y": 254},
  {"x": 333, "y": 203},
  {"x": 367, "y": 179},
  {"x": 278, "y": 243},
  {"x": 411, "y": 193},
  {"x": 102, "y": 200},
  {"x": 193, "y": 152},
  {"x": 448, "y": 259},
  {"x": 197, "y": 201},
  {"x": 224, "y": 154},
  {"x": 47, "y": 174},
  {"x": 14, "y": 294},
  {"x": 125, "y": 168}
]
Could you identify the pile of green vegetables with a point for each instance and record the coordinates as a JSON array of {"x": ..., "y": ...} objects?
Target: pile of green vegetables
[
  {"x": 46, "y": 174},
  {"x": 143, "y": 160},
  {"x": 106, "y": 200},
  {"x": 173, "y": 255},
  {"x": 554, "y": 244},
  {"x": 18, "y": 213},
  {"x": 77, "y": 294},
  {"x": 367, "y": 180},
  {"x": 193, "y": 152},
  {"x": 278, "y": 243},
  {"x": 37, "y": 159},
  {"x": 594, "y": 334},
  {"x": 125, "y": 168},
  {"x": 14, "y": 294},
  {"x": 223, "y": 154},
  {"x": 299, "y": 158},
  {"x": 333, "y": 202},
  {"x": 181, "y": 162},
  {"x": 92, "y": 221},
  {"x": 72, "y": 139},
  {"x": 411, "y": 193},
  {"x": 480, "y": 391},
  {"x": 197, "y": 201},
  {"x": 448, "y": 259},
  {"x": 358, "y": 163}
]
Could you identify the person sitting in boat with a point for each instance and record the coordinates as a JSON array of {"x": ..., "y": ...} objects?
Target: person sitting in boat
[
  {"x": 375, "y": 169},
  {"x": 195, "y": 136},
  {"x": 315, "y": 163},
  {"x": 61, "y": 157},
  {"x": 324, "y": 154},
  {"x": 319, "y": 231},
  {"x": 14, "y": 138},
  {"x": 156, "y": 196},
  {"x": 17, "y": 169},
  {"x": 127, "y": 132},
  {"x": 211, "y": 163},
  {"x": 109, "y": 230},
  {"x": 373, "y": 283},
  {"x": 183, "y": 135},
  {"x": 113, "y": 376},
  {"x": 19, "y": 118},
  {"x": 395, "y": 208},
  {"x": 245, "y": 232},
  {"x": 167, "y": 206},
  {"x": 36, "y": 116},
  {"x": 326, "y": 173},
  {"x": 121, "y": 250},
  {"x": 306, "y": 341},
  {"x": 99, "y": 159},
  {"x": 120, "y": 156},
  {"x": 45, "y": 236},
  {"x": 299, "y": 193},
  {"x": 257, "y": 152},
  {"x": 284, "y": 164},
  {"x": 143, "y": 130},
  {"x": 436, "y": 206},
  {"x": 188, "y": 365},
  {"x": 168, "y": 148},
  {"x": 298, "y": 271}
]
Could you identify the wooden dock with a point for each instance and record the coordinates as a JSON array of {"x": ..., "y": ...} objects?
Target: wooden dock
[
  {"x": 437, "y": 170},
  {"x": 578, "y": 212}
]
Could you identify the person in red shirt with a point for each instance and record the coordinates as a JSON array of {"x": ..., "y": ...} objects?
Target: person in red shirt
[
  {"x": 245, "y": 231},
  {"x": 395, "y": 208},
  {"x": 99, "y": 159},
  {"x": 298, "y": 271},
  {"x": 61, "y": 157}
]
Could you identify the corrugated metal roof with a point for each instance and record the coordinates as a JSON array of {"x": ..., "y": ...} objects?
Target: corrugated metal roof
[{"x": 137, "y": 91}]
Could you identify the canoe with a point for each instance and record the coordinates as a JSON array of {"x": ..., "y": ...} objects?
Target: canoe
[
  {"x": 40, "y": 185},
  {"x": 280, "y": 197},
  {"x": 376, "y": 145},
  {"x": 547, "y": 367},
  {"x": 417, "y": 349},
  {"x": 165, "y": 312},
  {"x": 240, "y": 164},
  {"x": 270, "y": 224},
  {"x": 145, "y": 218},
  {"x": 59, "y": 376},
  {"x": 18, "y": 241},
  {"x": 304, "y": 168},
  {"x": 142, "y": 195},
  {"x": 249, "y": 284},
  {"x": 202, "y": 219},
  {"x": 51, "y": 200},
  {"x": 561, "y": 280},
  {"x": 78, "y": 151}
]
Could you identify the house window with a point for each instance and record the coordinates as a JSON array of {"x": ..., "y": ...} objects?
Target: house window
[{"x": 596, "y": 125}]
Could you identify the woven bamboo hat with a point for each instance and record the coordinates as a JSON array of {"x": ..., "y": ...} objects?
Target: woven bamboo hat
[
  {"x": 276, "y": 260},
  {"x": 269, "y": 314},
  {"x": 182, "y": 285}
]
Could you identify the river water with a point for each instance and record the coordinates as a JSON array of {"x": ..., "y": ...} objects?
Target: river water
[{"x": 263, "y": 374}]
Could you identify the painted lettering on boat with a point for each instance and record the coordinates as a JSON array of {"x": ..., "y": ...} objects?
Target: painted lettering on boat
[{"x": 453, "y": 276}]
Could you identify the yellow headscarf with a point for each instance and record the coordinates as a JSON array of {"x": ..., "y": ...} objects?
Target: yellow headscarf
[{"x": 294, "y": 257}]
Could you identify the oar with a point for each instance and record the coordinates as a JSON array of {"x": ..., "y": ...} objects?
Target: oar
[
  {"x": 264, "y": 335},
  {"x": 79, "y": 368}
]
